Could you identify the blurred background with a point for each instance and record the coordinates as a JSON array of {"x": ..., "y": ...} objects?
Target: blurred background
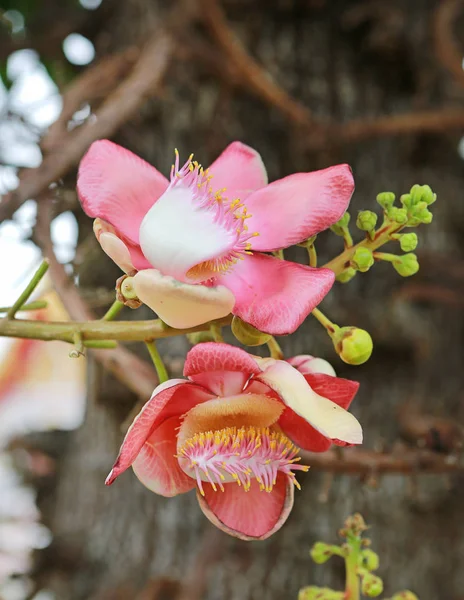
[{"x": 309, "y": 83}]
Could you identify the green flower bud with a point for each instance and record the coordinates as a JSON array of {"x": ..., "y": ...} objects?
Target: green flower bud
[
  {"x": 386, "y": 199},
  {"x": 341, "y": 224},
  {"x": 422, "y": 193},
  {"x": 398, "y": 215},
  {"x": 405, "y": 595},
  {"x": 127, "y": 289},
  {"x": 370, "y": 560},
  {"x": 408, "y": 242},
  {"x": 371, "y": 585},
  {"x": 366, "y": 220},
  {"x": 406, "y": 200},
  {"x": 321, "y": 552},
  {"x": 353, "y": 345},
  {"x": 406, "y": 265},
  {"x": 247, "y": 334},
  {"x": 362, "y": 259},
  {"x": 346, "y": 275}
]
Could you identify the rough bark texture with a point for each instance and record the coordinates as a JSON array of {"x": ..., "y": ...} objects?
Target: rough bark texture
[{"x": 343, "y": 60}]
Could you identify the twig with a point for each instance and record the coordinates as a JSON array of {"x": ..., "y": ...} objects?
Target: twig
[
  {"x": 36, "y": 305},
  {"x": 114, "y": 112},
  {"x": 26, "y": 294},
  {"x": 447, "y": 51},
  {"x": 357, "y": 461}
]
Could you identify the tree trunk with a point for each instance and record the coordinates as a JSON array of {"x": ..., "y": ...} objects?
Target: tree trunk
[{"x": 343, "y": 60}]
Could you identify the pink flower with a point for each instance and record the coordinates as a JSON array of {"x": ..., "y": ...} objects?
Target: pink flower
[
  {"x": 233, "y": 427},
  {"x": 196, "y": 242}
]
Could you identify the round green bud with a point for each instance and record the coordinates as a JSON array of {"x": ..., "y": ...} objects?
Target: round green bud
[
  {"x": 320, "y": 553},
  {"x": 371, "y": 585},
  {"x": 408, "y": 242},
  {"x": 370, "y": 559},
  {"x": 422, "y": 193},
  {"x": 363, "y": 259},
  {"x": 341, "y": 224},
  {"x": 353, "y": 345},
  {"x": 398, "y": 215},
  {"x": 406, "y": 265},
  {"x": 346, "y": 275},
  {"x": 247, "y": 334},
  {"x": 406, "y": 200},
  {"x": 127, "y": 289},
  {"x": 367, "y": 220},
  {"x": 405, "y": 595},
  {"x": 386, "y": 199}
]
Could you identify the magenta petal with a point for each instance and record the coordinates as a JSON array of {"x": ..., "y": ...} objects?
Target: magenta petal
[
  {"x": 341, "y": 391},
  {"x": 170, "y": 399},
  {"x": 275, "y": 295},
  {"x": 156, "y": 465},
  {"x": 240, "y": 170},
  {"x": 252, "y": 515},
  {"x": 118, "y": 186},
  {"x": 293, "y": 209}
]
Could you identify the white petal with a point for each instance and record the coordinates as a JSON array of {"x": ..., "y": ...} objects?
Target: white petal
[
  {"x": 317, "y": 365},
  {"x": 324, "y": 415},
  {"x": 182, "y": 305},
  {"x": 176, "y": 234}
]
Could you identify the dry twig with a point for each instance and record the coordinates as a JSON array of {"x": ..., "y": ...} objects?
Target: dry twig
[{"x": 446, "y": 49}]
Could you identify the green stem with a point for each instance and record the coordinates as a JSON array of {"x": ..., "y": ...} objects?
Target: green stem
[
  {"x": 36, "y": 305},
  {"x": 347, "y": 238},
  {"x": 78, "y": 346},
  {"x": 157, "y": 361},
  {"x": 104, "y": 344},
  {"x": 382, "y": 236},
  {"x": 24, "y": 297},
  {"x": 113, "y": 311},
  {"x": 312, "y": 255},
  {"x": 352, "y": 588},
  {"x": 325, "y": 321},
  {"x": 274, "y": 348},
  {"x": 386, "y": 256}
]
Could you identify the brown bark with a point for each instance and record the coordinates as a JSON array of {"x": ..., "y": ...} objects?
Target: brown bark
[{"x": 343, "y": 61}]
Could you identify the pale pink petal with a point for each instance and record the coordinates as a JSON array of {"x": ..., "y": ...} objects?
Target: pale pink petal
[
  {"x": 323, "y": 414},
  {"x": 240, "y": 170},
  {"x": 275, "y": 295},
  {"x": 221, "y": 368},
  {"x": 293, "y": 209},
  {"x": 309, "y": 364},
  {"x": 182, "y": 305},
  {"x": 118, "y": 186},
  {"x": 127, "y": 256},
  {"x": 340, "y": 391},
  {"x": 156, "y": 465},
  {"x": 170, "y": 399},
  {"x": 252, "y": 515}
]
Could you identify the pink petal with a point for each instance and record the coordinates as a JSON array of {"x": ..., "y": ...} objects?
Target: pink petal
[
  {"x": 221, "y": 368},
  {"x": 170, "y": 399},
  {"x": 118, "y": 186},
  {"x": 305, "y": 363},
  {"x": 240, "y": 170},
  {"x": 127, "y": 256},
  {"x": 275, "y": 295},
  {"x": 293, "y": 209},
  {"x": 340, "y": 391},
  {"x": 182, "y": 305},
  {"x": 323, "y": 414},
  {"x": 156, "y": 465},
  {"x": 252, "y": 515}
]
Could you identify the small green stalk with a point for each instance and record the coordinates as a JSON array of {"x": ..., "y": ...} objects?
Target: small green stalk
[
  {"x": 24, "y": 297},
  {"x": 113, "y": 311},
  {"x": 36, "y": 305},
  {"x": 330, "y": 327},
  {"x": 386, "y": 256},
  {"x": 352, "y": 587},
  {"x": 274, "y": 348},
  {"x": 312, "y": 255},
  {"x": 157, "y": 361}
]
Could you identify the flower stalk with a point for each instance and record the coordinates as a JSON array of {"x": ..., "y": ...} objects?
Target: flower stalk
[
  {"x": 158, "y": 363},
  {"x": 28, "y": 291}
]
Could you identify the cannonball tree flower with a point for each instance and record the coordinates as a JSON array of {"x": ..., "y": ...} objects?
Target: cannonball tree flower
[
  {"x": 233, "y": 430},
  {"x": 195, "y": 244}
]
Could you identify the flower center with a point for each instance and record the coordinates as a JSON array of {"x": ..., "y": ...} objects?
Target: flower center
[
  {"x": 192, "y": 232},
  {"x": 240, "y": 454}
]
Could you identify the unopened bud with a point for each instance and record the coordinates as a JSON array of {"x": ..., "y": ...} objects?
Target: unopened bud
[
  {"x": 355, "y": 524},
  {"x": 371, "y": 585},
  {"x": 127, "y": 289},
  {"x": 346, "y": 275},
  {"x": 341, "y": 224},
  {"x": 398, "y": 215},
  {"x": 367, "y": 220},
  {"x": 353, "y": 345},
  {"x": 321, "y": 552},
  {"x": 406, "y": 265},
  {"x": 405, "y": 595},
  {"x": 422, "y": 193},
  {"x": 408, "y": 242},
  {"x": 386, "y": 199},
  {"x": 363, "y": 259},
  {"x": 247, "y": 334},
  {"x": 125, "y": 292},
  {"x": 370, "y": 560}
]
